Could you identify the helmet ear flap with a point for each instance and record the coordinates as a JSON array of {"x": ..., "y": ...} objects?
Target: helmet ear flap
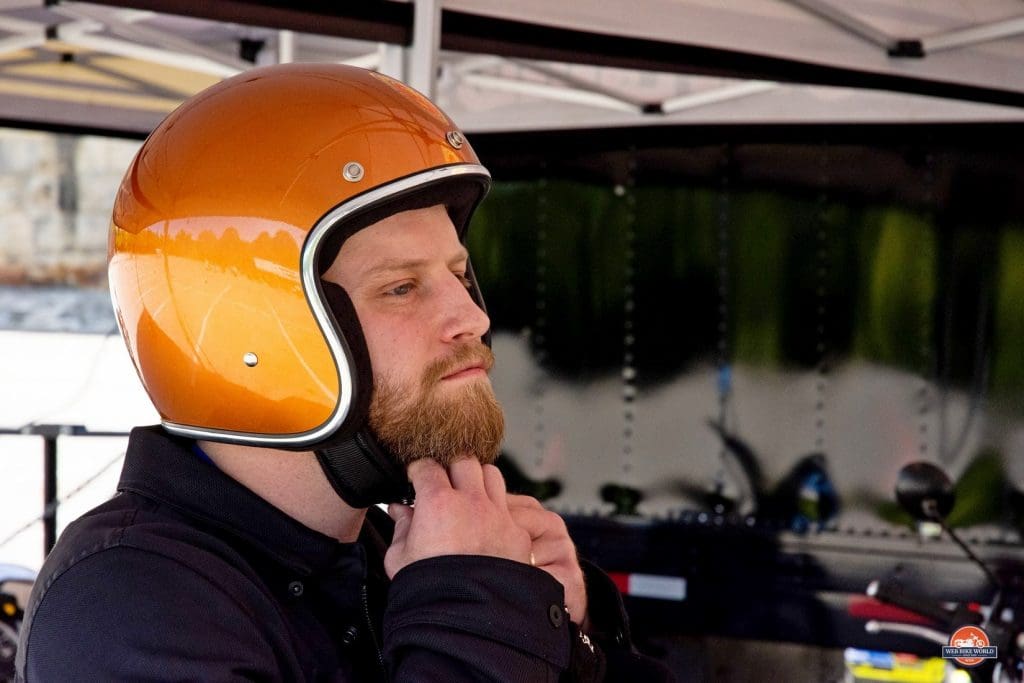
[
  {"x": 346, "y": 323},
  {"x": 362, "y": 473},
  {"x": 359, "y": 469}
]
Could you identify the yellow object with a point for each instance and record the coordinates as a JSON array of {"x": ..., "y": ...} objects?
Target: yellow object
[{"x": 899, "y": 668}]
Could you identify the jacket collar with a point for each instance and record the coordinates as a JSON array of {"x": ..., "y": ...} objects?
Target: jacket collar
[{"x": 165, "y": 469}]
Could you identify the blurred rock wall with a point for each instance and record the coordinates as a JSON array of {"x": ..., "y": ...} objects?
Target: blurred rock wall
[{"x": 56, "y": 194}]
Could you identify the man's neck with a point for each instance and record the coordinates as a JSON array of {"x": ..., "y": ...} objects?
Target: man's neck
[{"x": 293, "y": 483}]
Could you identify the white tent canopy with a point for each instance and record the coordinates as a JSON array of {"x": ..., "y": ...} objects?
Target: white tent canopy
[
  {"x": 119, "y": 66},
  {"x": 941, "y": 43}
]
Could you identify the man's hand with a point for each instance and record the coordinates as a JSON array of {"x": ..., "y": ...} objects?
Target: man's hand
[
  {"x": 463, "y": 510},
  {"x": 553, "y": 551}
]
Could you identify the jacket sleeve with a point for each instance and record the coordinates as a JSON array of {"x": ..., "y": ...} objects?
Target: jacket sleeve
[
  {"x": 471, "y": 618},
  {"x": 117, "y": 616},
  {"x": 608, "y": 635}
]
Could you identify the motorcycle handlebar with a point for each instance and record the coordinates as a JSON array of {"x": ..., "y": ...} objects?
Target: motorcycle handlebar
[
  {"x": 923, "y": 632},
  {"x": 891, "y": 592}
]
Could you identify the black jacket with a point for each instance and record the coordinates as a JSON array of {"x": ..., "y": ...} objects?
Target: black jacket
[{"x": 188, "y": 575}]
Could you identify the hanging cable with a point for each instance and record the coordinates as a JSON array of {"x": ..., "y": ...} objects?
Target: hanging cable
[
  {"x": 51, "y": 507},
  {"x": 981, "y": 372},
  {"x": 83, "y": 387}
]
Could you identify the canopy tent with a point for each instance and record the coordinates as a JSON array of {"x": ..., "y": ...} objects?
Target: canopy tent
[{"x": 119, "y": 66}]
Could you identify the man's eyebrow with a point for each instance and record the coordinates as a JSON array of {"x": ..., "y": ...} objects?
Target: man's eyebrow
[
  {"x": 389, "y": 265},
  {"x": 393, "y": 264}
]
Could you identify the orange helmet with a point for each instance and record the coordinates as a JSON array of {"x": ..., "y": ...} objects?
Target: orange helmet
[{"x": 227, "y": 217}]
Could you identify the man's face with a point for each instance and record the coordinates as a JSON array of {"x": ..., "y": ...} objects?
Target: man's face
[{"x": 406, "y": 276}]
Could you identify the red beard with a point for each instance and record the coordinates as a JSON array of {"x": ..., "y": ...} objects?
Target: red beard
[{"x": 444, "y": 425}]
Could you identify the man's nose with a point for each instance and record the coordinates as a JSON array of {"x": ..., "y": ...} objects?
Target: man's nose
[{"x": 463, "y": 318}]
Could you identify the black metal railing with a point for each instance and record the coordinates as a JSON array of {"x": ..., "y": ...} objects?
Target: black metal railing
[{"x": 50, "y": 433}]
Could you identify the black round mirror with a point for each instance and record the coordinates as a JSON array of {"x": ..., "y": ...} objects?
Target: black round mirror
[{"x": 924, "y": 491}]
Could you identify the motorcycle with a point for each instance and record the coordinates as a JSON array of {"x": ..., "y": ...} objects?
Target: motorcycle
[
  {"x": 984, "y": 641},
  {"x": 15, "y": 586}
]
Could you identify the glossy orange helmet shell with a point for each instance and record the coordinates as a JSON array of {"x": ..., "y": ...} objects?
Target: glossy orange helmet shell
[{"x": 219, "y": 233}]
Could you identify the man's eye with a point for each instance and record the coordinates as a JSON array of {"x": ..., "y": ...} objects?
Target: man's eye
[
  {"x": 464, "y": 279},
  {"x": 400, "y": 290}
]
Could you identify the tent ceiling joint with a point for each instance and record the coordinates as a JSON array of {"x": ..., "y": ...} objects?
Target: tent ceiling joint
[
  {"x": 134, "y": 32},
  {"x": 911, "y": 47}
]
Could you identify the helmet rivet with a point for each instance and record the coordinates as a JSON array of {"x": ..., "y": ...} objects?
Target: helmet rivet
[
  {"x": 353, "y": 171},
  {"x": 250, "y": 359},
  {"x": 455, "y": 139}
]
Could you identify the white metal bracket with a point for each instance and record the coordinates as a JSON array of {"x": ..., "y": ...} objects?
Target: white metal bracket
[{"x": 422, "y": 55}]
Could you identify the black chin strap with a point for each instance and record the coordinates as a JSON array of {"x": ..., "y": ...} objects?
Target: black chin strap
[{"x": 362, "y": 472}]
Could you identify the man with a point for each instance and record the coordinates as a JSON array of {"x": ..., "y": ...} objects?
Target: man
[{"x": 288, "y": 270}]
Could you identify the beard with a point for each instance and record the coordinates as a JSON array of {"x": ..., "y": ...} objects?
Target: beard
[{"x": 426, "y": 422}]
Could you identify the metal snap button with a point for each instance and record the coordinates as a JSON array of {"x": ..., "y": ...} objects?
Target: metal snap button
[
  {"x": 296, "y": 589},
  {"x": 350, "y": 635},
  {"x": 556, "y": 614}
]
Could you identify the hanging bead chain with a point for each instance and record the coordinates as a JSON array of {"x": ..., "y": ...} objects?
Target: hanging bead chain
[
  {"x": 724, "y": 386},
  {"x": 540, "y": 324},
  {"x": 925, "y": 389},
  {"x": 628, "y": 331},
  {"x": 821, "y": 275}
]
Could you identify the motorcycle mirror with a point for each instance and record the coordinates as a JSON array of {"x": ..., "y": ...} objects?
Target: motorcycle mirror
[{"x": 924, "y": 491}]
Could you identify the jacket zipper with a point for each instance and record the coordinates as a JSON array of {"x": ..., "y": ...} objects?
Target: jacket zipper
[{"x": 364, "y": 593}]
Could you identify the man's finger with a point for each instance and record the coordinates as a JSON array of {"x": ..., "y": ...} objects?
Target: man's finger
[
  {"x": 466, "y": 474},
  {"x": 427, "y": 477},
  {"x": 494, "y": 484},
  {"x": 555, "y": 552},
  {"x": 535, "y": 522},
  {"x": 516, "y": 500},
  {"x": 402, "y": 514}
]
